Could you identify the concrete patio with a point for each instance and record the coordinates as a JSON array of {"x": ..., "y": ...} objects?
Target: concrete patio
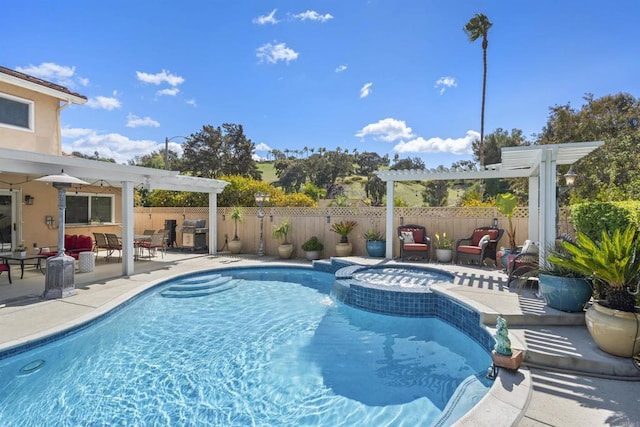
[{"x": 566, "y": 380}]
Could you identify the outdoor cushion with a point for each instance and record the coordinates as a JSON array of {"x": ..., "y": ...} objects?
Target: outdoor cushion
[
  {"x": 485, "y": 239},
  {"x": 476, "y": 250},
  {"x": 479, "y": 234},
  {"x": 415, "y": 247},
  {"x": 407, "y": 236}
]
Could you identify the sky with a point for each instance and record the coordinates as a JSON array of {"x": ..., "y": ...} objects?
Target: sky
[{"x": 389, "y": 76}]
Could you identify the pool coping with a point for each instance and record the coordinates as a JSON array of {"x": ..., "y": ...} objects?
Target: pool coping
[{"x": 506, "y": 400}]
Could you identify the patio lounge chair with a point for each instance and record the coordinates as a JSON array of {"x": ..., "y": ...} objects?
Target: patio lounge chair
[
  {"x": 156, "y": 243},
  {"x": 113, "y": 245},
  {"x": 414, "y": 242},
  {"x": 477, "y": 247}
]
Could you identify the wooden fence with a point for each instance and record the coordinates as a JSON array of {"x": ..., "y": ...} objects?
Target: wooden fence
[{"x": 307, "y": 222}]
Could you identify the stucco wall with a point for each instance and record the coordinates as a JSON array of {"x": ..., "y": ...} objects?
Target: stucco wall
[{"x": 46, "y": 138}]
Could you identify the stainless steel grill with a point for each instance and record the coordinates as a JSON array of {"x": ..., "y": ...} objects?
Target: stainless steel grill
[{"x": 194, "y": 234}]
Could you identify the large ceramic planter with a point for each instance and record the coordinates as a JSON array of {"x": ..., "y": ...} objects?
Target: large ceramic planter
[
  {"x": 614, "y": 331},
  {"x": 564, "y": 293},
  {"x": 235, "y": 246},
  {"x": 376, "y": 248},
  {"x": 285, "y": 251},
  {"x": 443, "y": 255},
  {"x": 311, "y": 255},
  {"x": 343, "y": 249}
]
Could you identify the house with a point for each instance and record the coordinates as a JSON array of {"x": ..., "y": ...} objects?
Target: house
[{"x": 31, "y": 147}]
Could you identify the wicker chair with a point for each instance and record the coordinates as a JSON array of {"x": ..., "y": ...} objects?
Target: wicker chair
[
  {"x": 419, "y": 246},
  {"x": 476, "y": 249}
]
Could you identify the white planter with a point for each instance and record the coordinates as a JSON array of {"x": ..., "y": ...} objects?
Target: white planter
[
  {"x": 311, "y": 255},
  {"x": 443, "y": 255},
  {"x": 235, "y": 246}
]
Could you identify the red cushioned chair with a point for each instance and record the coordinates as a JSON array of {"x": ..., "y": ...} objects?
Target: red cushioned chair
[
  {"x": 476, "y": 249},
  {"x": 414, "y": 242},
  {"x": 5, "y": 267}
]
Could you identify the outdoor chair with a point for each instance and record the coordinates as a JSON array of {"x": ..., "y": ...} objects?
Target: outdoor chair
[
  {"x": 414, "y": 242},
  {"x": 6, "y": 267},
  {"x": 154, "y": 245},
  {"x": 114, "y": 245},
  {"x": 523, "y": 268},
  {"x": 100, "y": 242},
  {"x": 482, "y": 244}
]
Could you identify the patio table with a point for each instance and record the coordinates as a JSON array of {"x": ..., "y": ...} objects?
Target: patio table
[{"x": 36, "y": 258}]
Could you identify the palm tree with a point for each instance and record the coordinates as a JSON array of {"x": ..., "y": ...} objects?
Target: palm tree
[{"x": 477, "y": 27}]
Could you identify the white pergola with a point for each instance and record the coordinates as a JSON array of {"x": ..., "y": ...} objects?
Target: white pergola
[
  {"x": 538, "y": 163},
  {"x": 116, "y": 175}
]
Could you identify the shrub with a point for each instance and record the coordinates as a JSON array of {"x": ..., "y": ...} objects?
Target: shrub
[
  {"x": 592, "y": 219},
  {"x": 313, "y": 244}
]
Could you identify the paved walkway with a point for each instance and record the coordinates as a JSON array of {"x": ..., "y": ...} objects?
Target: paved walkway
[{"x": 597, "y": 390}]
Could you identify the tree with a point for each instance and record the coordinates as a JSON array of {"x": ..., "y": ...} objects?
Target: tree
[
  {"x": 476, "y": 28},
  {"x": 213, "y": 152},
  {"x": 408, "y": 163},
  {"x": 611, "y": 172},
  {"x": 375, "y": 189},
  {"x": 369, "y": 162}
]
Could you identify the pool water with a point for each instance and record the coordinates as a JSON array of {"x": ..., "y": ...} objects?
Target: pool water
[{"x": 271, "y": 348}]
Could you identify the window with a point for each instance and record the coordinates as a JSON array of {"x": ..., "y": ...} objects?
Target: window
[
  {"x": 82, "y": 208},
  {"x": 16, "y": 112}
]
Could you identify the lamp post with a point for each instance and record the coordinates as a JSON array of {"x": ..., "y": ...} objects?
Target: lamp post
[
  {"x": 166, "y": 149},
  {"x": 59, "y": 280},
  {"x": 261, "y": 199}
]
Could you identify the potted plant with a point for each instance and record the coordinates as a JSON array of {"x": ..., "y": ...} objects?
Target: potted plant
[
  {"x": 343, "y": 228},
  {"x": 613, "y": 264},
  {"x": 506, "y": 203},
  {"x": 235, "y": 245},
  {"x": 376, "y": 243},
  {"x": 312, "y": 248},
  {"x": 562, "y": 288},
  {"x": 281, "y": 232},
  {"x": 444, "y": 248}
]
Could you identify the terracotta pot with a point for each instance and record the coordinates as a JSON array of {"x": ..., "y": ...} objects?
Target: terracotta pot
[
  {"x": 343, "y": 249},
  {"x": 235, "y": 246},
  {"x": 614, "y": 331},
  {"x": 285, "y": 251}
]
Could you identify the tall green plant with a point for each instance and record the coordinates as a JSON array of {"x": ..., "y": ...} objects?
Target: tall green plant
[
  {"x": 612, "y": 262},
  {"x": 507, "y": 204},
  {"x": 236, "y": 216}
]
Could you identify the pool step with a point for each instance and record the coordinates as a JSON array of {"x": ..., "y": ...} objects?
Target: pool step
[
  {"x": 570, "y": 348},
  {"x": 215, "y": 286}
]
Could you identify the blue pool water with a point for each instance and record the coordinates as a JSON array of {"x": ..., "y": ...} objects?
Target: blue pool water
[{"x": 270, "y": 347}]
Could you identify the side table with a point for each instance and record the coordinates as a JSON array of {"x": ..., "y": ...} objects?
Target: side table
[{"x": 86, "y": 262}]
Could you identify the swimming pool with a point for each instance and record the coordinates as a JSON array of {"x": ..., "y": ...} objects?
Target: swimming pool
[{"x": 267, "y": 347}]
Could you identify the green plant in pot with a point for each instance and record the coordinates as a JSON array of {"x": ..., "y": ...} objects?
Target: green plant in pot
[
  {"x": 343, "y": 228},
  {"x": 613, "y": 264},
  {"x": 281, "y": 232},
  {"x": 235, "y": 245},
  {"x": 506, "y": 203},
  {"x": 312, "y": 248},
  {"x": 444, "y": 247},
  {"x": 561, "y": 287},
  {"x": 375, "y": 242}
]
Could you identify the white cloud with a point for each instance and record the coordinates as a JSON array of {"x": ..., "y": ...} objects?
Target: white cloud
[
  {"x": 312, "y": 15},
  {"x": 162, "y": 77},
  {"x": 272, "y": 53},
  {"x": 113, "y": 145},
  {"x": 191, "y": 102},
  {"x": 341, "y": 68},
  {"x": 134, "y": 121},
  {"x": 266, "y": 19},
  {"x": 55, "y": 73},
  {"x": 103, "y": 102},
  {"x": 68, "y": 132},
  {"x": 262, "y": 147},
  {"x": 387, "y": 129},
  {"x": 365, "y": 90},
  {"x": 439, "y": 145},
  {"x": 443, "y": 83},
  {"x": 169, "y": 91}
]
